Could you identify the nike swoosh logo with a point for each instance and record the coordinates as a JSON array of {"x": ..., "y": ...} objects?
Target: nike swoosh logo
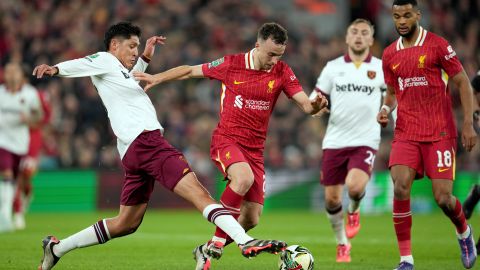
[
  {"x": 395, "y": 66},
  {"x": 236, "y": 82},
  {"x": 396, "y": 223},
  {"x": 443, "y": 169}
]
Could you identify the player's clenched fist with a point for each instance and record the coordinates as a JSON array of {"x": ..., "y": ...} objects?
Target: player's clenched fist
[
  {"x": 319, "y": 104},
  {"x": 382, "y": 117}
]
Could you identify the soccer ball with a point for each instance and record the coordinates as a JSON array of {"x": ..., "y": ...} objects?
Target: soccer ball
[{"x": 295, "y": 257}]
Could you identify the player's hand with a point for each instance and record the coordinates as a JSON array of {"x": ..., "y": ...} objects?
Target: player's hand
[
  {"x": 319, "y": 103},
  {"x": 469, "y": 137},
  {"x": 382, "y": 118},
  {"x": 145, "y": 77},
  {"x": 321, "y": 112},
  {"x": 44, "y": 69},
  {"x": 150, "y": 45}
]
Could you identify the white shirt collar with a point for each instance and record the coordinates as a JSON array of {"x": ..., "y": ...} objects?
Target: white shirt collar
[
  {"x": 419, "y": 42},
  {"x": 249, "y": 64}
]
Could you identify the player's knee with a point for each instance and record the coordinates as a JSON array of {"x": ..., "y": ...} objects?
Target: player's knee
[
  {"x": 243, "y": 183},
  {"x": 356, "y": 193},
  {"x": 401, "y": 190},
  {"x": 332, "y": 202}
]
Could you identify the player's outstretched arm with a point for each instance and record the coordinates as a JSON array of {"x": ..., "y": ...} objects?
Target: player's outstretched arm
[
  {"x": 177, "y": 73},
  {"x": 315, "y": 106},
  {"x": 389, "y": 104},
  {"x": 469, "y": 137}
]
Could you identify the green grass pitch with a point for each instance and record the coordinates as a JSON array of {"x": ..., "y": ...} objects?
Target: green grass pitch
[{"x": 166, "y": 238}]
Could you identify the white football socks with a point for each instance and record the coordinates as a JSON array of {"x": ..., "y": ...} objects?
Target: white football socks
[
  {"x": 336, "y": 220},
  {"x": 465, "y": 234},
  {"x": 354, "y": 205},
  {"x": 221, "y": 217},
  {"x": 408, "y": 259},
  {"x": 7, "y": 192},
  {"x": 84, "y": 238}
]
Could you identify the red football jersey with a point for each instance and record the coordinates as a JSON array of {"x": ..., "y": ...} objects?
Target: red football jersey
[
  {"x": 36, "y": 133},
  {"x": 248, "y": 96},
  {"x": 419, "y": 75}
]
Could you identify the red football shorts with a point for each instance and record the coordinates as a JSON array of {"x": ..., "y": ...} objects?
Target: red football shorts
[
  {"x": 225, "y": 152},
  {"x": 435, "y": 159}
]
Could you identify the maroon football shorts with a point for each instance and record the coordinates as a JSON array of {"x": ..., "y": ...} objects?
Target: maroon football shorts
[
  {"x": 435, "y": 159},
  {"x": 337, "y": 162},
  {"x": 9, "y": 161},
  {"x": 150, "y": 158},
  {"x": 225, "y": 152}
]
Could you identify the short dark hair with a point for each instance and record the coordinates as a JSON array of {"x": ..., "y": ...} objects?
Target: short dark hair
[
  {"x": 274, "y": 31},
  {"x": 405, "y": 2},
  {"x": 121, "y": 29}
]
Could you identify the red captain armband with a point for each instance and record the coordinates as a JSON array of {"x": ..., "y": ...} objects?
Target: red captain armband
[{"x": 146, "y": 59}]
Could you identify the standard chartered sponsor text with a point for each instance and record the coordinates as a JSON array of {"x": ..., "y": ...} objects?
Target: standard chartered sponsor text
[
  {"x": 415, "y": 81},
  {"x": 261, "y": 105}
]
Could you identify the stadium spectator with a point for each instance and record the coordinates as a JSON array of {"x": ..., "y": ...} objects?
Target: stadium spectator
[
  {"x": 42, "y": 31},
  {"x": 425, "y": 133},
  {"x": 19, "y": 109},
  {"x": 146, "y": 155},
  {"x": 251, "y": 84},
  {"x": 354, "y": 83}
]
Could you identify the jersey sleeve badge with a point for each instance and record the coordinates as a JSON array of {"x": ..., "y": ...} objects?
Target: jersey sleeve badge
[{"x": 216, "y": 63}]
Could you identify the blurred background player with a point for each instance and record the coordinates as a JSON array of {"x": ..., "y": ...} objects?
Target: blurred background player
[
  {"x": 251, "y": 84},
  {"x": 146, "y": 155},
  {"x": 354, "y": 83},
  {"x": 474, "y": 195},
  {"x": 19, "y": 109},
  {"x": 29, "y": 165},
  {"x": 417, "y": 67}
]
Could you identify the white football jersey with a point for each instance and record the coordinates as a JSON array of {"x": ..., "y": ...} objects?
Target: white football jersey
[
  {"x": 355, "y": 99},
  {"x": 15, "y": 135},
  {"x": 129, "y": 108}
]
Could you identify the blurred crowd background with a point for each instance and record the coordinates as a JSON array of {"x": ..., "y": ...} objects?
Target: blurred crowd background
[{"x": 199, "y": 31}]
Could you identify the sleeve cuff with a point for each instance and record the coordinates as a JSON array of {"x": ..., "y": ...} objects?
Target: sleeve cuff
[{"x": 145, "y": 59}]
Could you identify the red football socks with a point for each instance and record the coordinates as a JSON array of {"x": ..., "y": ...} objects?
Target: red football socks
[
  {"x": 402, "y": 221},
  {"x": 231, "y": 201}
]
